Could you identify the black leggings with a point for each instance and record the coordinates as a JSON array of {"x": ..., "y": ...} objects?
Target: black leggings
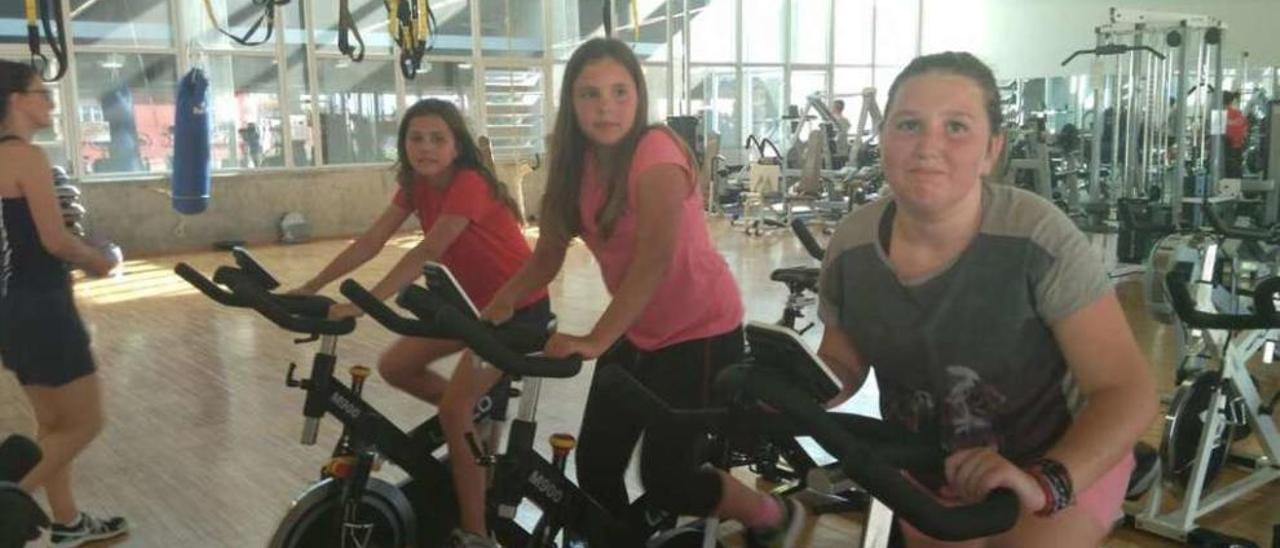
[{"x": 671, "y": 459}]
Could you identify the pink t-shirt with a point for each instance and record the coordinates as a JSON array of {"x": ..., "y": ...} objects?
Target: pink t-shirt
[{"x": 698, "y": 298}]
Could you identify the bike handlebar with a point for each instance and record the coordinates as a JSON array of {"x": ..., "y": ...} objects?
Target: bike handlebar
[{"x": 307, "y": 314}]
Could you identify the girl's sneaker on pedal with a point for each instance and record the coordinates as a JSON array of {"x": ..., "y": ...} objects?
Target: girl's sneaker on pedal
[
  {"x": 87, "y": 529},
  {"x": 786, "y": 534}
]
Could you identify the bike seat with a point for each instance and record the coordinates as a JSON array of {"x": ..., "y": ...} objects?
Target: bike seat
[{"x": 803, "y": 276}]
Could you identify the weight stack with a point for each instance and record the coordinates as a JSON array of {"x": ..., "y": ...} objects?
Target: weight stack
[
  {"x": 1134, "y": 243},
  {"x": 73, "y": 212}
]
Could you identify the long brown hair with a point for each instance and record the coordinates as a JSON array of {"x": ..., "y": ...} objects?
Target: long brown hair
[
  {"x": 468, "y": 153},
  {"x": 569, "y": 146}
]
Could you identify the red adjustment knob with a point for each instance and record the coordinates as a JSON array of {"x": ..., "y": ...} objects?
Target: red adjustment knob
[
  {"x": 562, "y": 444},
  {"x": 340, "y": 467}
]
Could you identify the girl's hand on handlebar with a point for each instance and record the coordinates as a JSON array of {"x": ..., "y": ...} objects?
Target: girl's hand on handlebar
[
  {"x": 304, "y": 290},
  {"x": 498, "y": 311},
  {"x": 563, "y": 346},
  {"x": 975, "y": 472},
  {"x": 344, "y": 310}
]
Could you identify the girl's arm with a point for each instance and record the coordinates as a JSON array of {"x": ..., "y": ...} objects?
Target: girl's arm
[
  {"x": 359, "y": 251},
  {"x": 1116, "y": 383},
  {"x": 537, "y": 272},
  {"x": 839, "y": 353},
  {"x": 442, "y": 235}
]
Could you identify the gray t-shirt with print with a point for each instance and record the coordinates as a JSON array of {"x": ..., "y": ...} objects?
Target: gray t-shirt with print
[{"x": 966, "y": 354}]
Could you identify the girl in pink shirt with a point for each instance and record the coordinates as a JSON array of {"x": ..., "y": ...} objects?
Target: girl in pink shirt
[{"x": 675, "y": 319}]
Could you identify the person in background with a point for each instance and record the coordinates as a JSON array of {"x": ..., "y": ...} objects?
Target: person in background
[
  {"x": 841, "y": 156},
  {"x": 1237, "y": 131}
]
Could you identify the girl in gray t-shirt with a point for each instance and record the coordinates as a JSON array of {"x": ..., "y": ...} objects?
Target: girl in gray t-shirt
[{"x": 990, "y": 321}]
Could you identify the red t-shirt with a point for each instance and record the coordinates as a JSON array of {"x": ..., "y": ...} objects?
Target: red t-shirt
[
  {"x": 490, "y": 250},
  {"x": 1237, "y": 128}
]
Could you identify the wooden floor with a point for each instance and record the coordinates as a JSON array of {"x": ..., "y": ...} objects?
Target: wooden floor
[{"x": 201, "y": 444}]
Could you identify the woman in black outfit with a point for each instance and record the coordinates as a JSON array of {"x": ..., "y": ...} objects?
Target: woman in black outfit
[{"x": 42, "y": 339}]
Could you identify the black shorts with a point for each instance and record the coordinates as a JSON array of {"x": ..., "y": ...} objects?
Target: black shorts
[{"x": 42, "y": 339}]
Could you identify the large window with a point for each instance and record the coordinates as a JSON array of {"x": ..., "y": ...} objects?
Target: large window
[
  {"x": 299, "y": 100},
  {"x": 511, "y": 28},
  {"x": 656, "y": 76},
  {"x": 810, "y": 34},
  {"x": 451, "y": 82},
  {"x": 296, "y": 101},
  {"x": 121, "y": 22},
  {"x": 713, "y": 95},
  {"x": 248, "y": 127},
  {"x": 806, "y": 83},
  {"x": 357, "y": 106},
  {"x": 764, "y": 24},
  {"x": 453, "y": 27},
  {"x": 712, "y": 32},
  {"x": 649, "y": 41},
  {"x": 855, "y": 27},
  {"x": 763, "y": 92},
  {"x": 13, "y": 24},
  {"x": 514, "y": 99},
  {"x": 897, "y": 31},
  {"x": 371, "y": 20},
  {"x": 126, "y": 104},
  {"x": 572, "y": 23},
  {"x": 849, "y": 83}
]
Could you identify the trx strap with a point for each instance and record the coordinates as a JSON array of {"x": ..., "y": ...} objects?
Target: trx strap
[
  {"x": 607, "y": 13},
  {"x": 268, "y": 16},
  {"x": 412, "y": 25},
  {"x": 347, "y": 26},
  {"x": 635, "y": 20},
  {"x": 49, "y": 15},
  {"x": 608, "y": 19}
]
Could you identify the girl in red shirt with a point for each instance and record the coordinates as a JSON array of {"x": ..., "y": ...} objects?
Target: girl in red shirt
[{"x": 470, "y": 223}]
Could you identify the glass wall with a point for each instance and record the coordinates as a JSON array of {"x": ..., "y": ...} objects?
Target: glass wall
[
  {"x": 125, "y": 106},
  {"x": 765, "y": 103},
  {"x": 515, "y": 100},
  {"x": 121, "y": 22},
  {"x": 357, "y": 106},
  {"x": 247, "y": 119},
  {"x": 713, "y": 95},
  {"x": 296, "y": 101},
  {"x": 449, "y": 81},
  {"x": 511, "y": 29}
]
